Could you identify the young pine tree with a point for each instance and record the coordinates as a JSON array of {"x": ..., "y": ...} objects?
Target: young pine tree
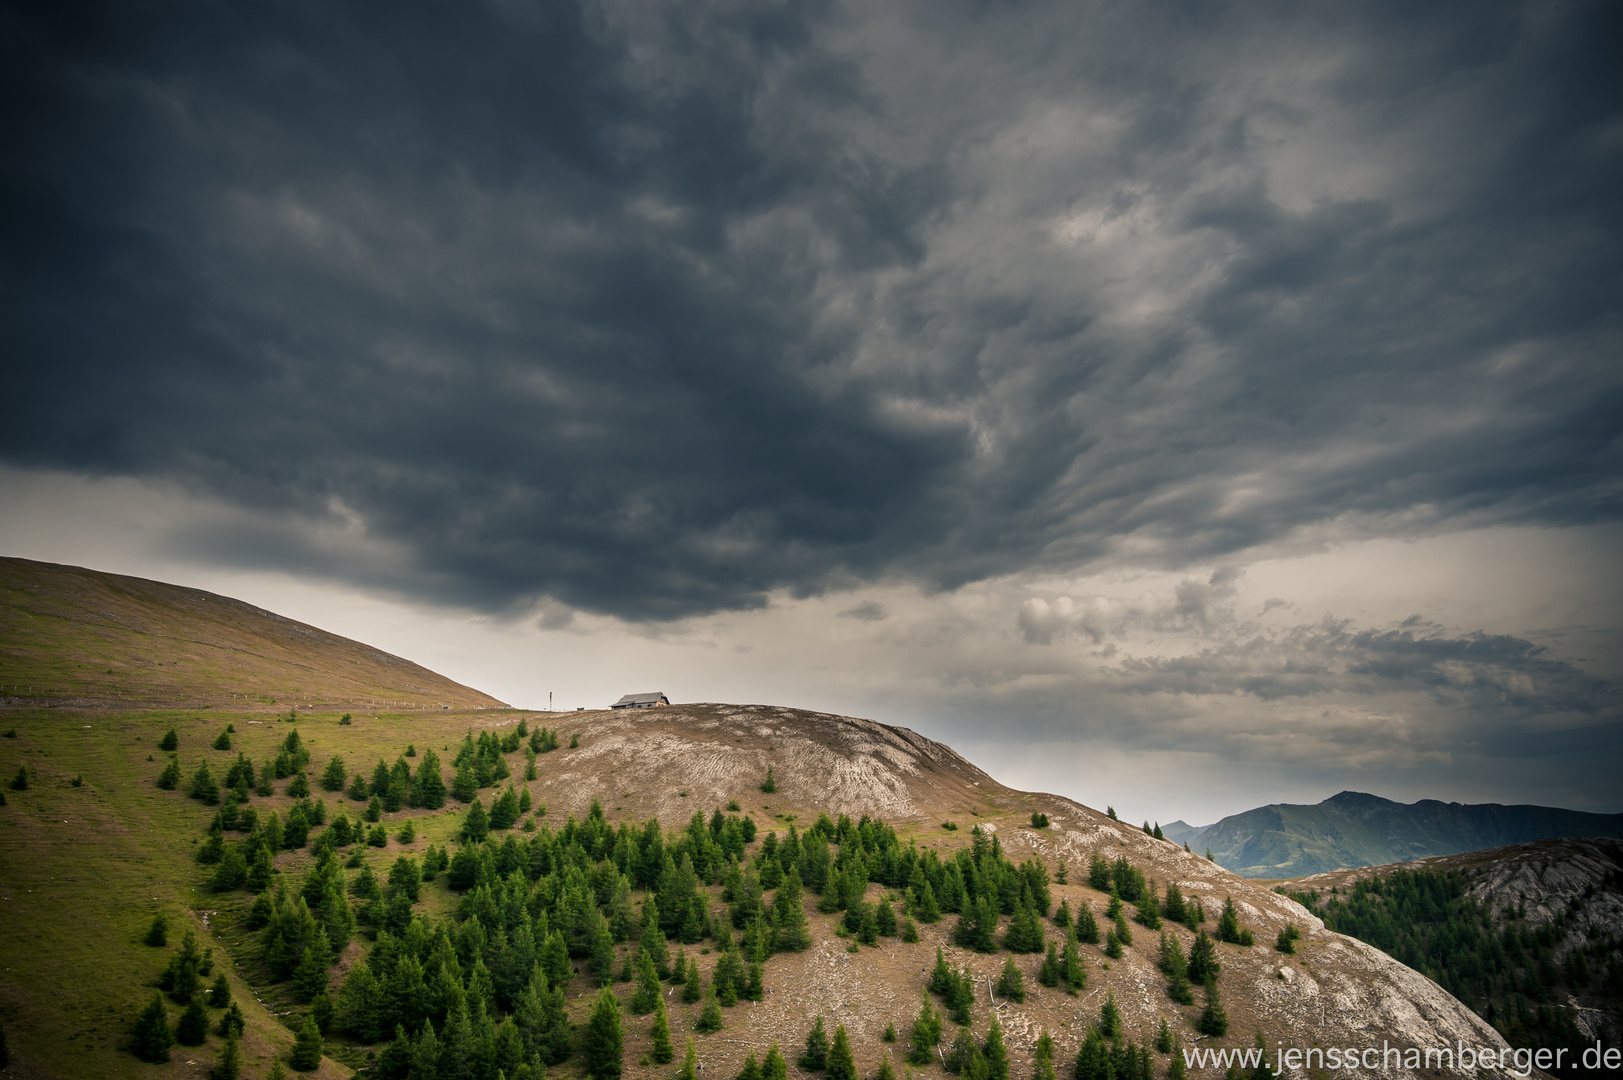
[
  {"x": 815, "y": 1059},
  {"x": 1213, "y": 1020},
  {"x": 1042, "y": 1064},
  {"x": 842, "y": 1063},
  {"x": 1228, "y": 923},
  {"x": 158, "y": 932},
  {"x": 604, "y": 1042},
  {"x": 710, "y": 1014},
  {"x": 690, "y": 1063},
  {"x": 926, "y": 1034},
  {"x": 476, "y": 826},
  {"x": 151, "y": 1037},
  {"x": 1011, "y": 984},
  {"x": 169, "y": 779},
  {"x": 995, "y": 1053},
  {"x": 661, "y": 1052},
  {"x": 170, "y": 740},
  {"x": 647, "y": 994},
  {"x": 307, "y": 1048},
  {"x": 228, "y": 1066},
  {"x": 1110, "y": 1017}
]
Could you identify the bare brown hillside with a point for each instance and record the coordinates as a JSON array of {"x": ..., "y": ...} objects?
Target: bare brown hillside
[
  {"x": 670, "y": 762},
  {"x": 71, "y": 636}
]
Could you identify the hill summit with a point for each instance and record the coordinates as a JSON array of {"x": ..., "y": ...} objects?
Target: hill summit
[{"x": 72, "y": 636}]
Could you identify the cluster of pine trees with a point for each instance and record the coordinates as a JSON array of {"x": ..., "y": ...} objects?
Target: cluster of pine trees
[
  {"x": 1516, "y": 976},
  {"x": 392, "y": 788}
]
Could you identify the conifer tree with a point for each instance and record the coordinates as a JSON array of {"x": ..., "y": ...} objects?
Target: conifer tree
[
  {"x": 203, "y": 785},
  {"x": 769, "y": 785},
  {"x": 151, "y": 1037},
  {"x": 647, "y": 995},
  {"x": 885, "y": 919},
  {"x": 774, "y": 1067},
  {"x": 158, "y": 933},
  {"x": 1025, "y": 933},
  {"x": 995, "y": 1053},
  {"x": 815, "y": 1058},
  {"x": 1286, "y": 943},
  {"x": 307, "y": 1047},
  {"x": 170, "y": 740},
  {"x": 220, "y": 993},
  {"x": 1228, "y": 923},
  {"x": 223, "y": 741},
  {"x": 1148, "y": 911},
  {"x": 1042, "y": 1065},
  {"x": 690, "y": 1063},
  {"x": 1087, "y": 927},
  {"x": 300, "y": 787},
  {"x": 755, "y": 983},
  {"x": 169, "y": 779},
  {"x": 1176, "y": 970},
  {"x": 228, "y": 1066},
  {"x": 1124, "y": 933},
  {"x": 1048, "y": 973},
  {"x": 1203, "y": 965},
  {"x": 661, "y": 1052},
  {"x": 193, "y": 1026},
  {"x": 504, "y": 811},
  {"x": 910, "y": 930},
  {"x": 751, "y": 1069},
  {"x": 842, "y": 1064},
  {"x": 336, "y": 773},
  {"x": 887, "y": 1071},
  {"x": 604, "y": 1042},
  {"x": 465, "y": 785},
  {"x": 310, "y": 976},
  {"x": 791, "y": 930},
  {"x": 359, "y": 789},
  {"x": 428, "y": 786},
  {"x": 1175, "y": 1068},
  {"x": 1012, "y": 983},
  {"x": 926, "y": 1034},
  {"x": 710, "y": 1014},
  {"x": 476, "y": 825},
  {"x": 926, "y": 908},
  {"x": 1071, "y": 971},
  {"x": 964, "y": 1055},
  {"x": 1110, "y": 1016},
  {"x": 1062, "y": 915},
  {"x": 1173, "y": 906},
  {"x": 692, "y": 988},
  {"x": 1163, "y": 1037},
  {"x": 1213, "y": 1020}
]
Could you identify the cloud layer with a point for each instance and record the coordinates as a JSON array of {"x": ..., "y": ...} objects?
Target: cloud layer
[{"x": 658, "y": 310}]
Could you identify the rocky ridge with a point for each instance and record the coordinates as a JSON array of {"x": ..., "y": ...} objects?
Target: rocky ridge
[{"x": 669, "y": 762}]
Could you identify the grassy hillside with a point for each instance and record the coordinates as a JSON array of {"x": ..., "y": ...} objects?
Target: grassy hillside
[
  {"x": 70, "y": 636},
  {"x": 91, "y": 848},
  {"x": 1353, "y": 829}
]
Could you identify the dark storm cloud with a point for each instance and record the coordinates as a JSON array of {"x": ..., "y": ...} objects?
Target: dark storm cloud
[{"x": 654, "y": 310}]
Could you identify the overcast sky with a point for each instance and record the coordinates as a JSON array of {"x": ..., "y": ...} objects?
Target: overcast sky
[{"x": 1181, "y": 407}]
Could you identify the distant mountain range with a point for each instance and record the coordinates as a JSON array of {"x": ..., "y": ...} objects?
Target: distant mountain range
[{"x": 1352, "y": 829}]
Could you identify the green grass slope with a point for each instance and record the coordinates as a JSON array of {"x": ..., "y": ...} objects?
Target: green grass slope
[{"x": 71, "y": 636}]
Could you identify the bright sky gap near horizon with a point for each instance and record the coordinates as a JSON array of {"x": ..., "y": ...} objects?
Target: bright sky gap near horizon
[{"x": 1182, "y": 409}]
